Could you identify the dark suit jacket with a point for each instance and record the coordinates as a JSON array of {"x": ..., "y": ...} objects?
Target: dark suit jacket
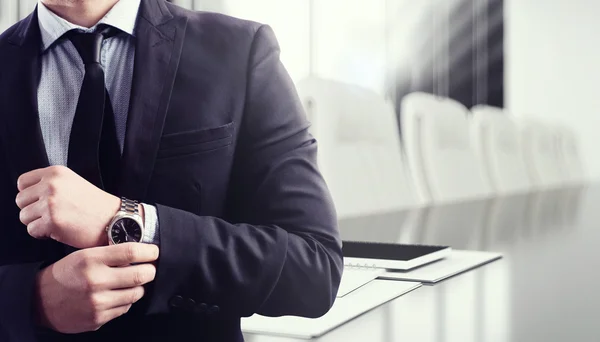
[{"x": 217, "y": 140}]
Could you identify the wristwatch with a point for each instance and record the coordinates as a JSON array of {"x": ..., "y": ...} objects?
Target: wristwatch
[{"x": 127, "y": 225}]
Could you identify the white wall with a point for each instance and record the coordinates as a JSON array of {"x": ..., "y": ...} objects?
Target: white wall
[
  {"x": 350, "y": 42},
  {"x": 553, "y": 67}
]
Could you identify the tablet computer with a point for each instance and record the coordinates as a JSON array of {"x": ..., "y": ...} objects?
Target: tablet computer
[{"x": 391, "y": 256}]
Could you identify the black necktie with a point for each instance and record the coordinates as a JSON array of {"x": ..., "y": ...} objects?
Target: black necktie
[{"x": 94, "y": 151}]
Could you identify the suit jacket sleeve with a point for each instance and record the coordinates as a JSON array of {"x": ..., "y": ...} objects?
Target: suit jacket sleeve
[
  {"x": 16, "y": 302},
  {"x": 17, "y": 277},
  {"x": 278, "y": 251}
]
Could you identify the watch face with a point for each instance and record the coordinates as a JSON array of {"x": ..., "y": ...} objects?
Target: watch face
[{"x": 126, "y": 230}]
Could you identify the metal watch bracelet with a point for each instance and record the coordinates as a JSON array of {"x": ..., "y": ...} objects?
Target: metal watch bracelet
[{"x": 130, "y": 206}]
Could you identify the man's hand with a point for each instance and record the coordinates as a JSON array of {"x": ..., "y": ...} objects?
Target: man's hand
[
  {"x": 59, "y": 204},
  {"x": 91, "y": 287}
]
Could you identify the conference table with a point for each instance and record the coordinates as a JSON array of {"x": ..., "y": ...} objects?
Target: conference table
[{"x": 545, "y": 288}]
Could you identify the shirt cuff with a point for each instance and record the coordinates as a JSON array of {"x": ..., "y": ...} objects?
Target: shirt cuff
[{"x": 151, "y": 235}]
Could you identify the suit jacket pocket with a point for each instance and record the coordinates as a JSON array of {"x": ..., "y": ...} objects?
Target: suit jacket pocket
[{"x": 193, "y": 142}]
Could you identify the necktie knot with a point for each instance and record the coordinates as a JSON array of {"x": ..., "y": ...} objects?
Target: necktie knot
[{"x": 89, "y": 45}]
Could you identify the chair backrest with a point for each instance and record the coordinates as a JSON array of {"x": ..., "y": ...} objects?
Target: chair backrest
[
  {"x": 443, "y": 161},
  {"x": 569, "y": 156},
  {"x": 359, "y": 147},
  {"x": 540, "y": 148},
  {"x": 497, "y": 140}
]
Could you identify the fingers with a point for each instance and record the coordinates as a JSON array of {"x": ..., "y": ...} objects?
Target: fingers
[
  {"x": 31, "y": 213},
  {"x": 128, "y": 253},
  {"x": 117, "y": 312},
  {"x": 30, "y": 178},
  {"x": 125, "y": 297},
  {"x": 37, "y": 229},
  {"x": 131, "y": 276},
  {"x": 101, "y": 318},
  {"x": 28, "y": 196},
  {"x": 112, "y": 304},
  {"x": 108, "y": 300}
]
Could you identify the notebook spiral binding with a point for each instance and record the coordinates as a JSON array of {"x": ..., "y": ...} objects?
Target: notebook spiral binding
[{"x": 354, "y": 266}]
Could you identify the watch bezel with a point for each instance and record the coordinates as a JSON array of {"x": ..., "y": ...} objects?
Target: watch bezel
[{"x": 119, "y": 216}]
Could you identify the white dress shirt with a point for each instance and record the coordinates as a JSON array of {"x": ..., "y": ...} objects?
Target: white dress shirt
[{"x": 62, "y": 73}]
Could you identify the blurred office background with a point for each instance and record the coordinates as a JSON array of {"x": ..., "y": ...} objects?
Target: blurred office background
[{"x": 357, "y": 65}]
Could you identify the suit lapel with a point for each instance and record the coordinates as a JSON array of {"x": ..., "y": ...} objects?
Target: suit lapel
[
  {"x": 19, "y": 84},
  {"x": 159, "y": 41}
]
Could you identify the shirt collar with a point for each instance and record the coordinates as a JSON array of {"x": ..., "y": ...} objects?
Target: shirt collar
[{"x": 123, "y": 16}]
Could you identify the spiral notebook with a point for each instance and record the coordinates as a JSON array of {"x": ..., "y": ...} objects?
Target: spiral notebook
[
  {"x": 356, "y": 277},
  {"x": 392, "y": 256},
  {"x": 358, "y": 302}
]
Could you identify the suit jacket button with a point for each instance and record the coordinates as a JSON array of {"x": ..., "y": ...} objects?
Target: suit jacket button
[
  {"x": 189, "y": 305},
  {"x": 201, "y": 308},
  {"x": 214, "y": 310},
  {"x": 177, "y": 302}
]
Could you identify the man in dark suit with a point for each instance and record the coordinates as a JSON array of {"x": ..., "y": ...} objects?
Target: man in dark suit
[{"x": 164, "y": 179}]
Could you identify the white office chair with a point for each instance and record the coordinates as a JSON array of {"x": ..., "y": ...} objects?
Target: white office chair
[
  {"x": 446, "y": 169},
  {"x": 540, "y": 149},
  {"x": 569, "y": 157},
  {"x": 497, "y": 140},
  {"x": 545, "y": 209},
  {"x": 359, "y": 147},
  {"x": 566, "y": 200},
  {"x": 443, "y": 161}
]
